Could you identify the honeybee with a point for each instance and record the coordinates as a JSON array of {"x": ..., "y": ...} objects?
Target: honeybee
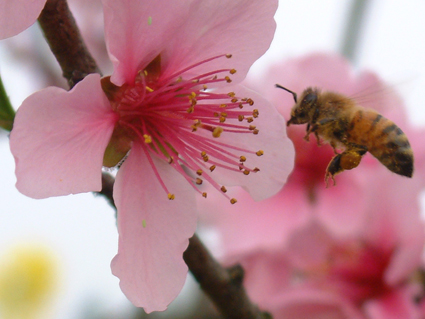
[{"x": 340, "y": 121}]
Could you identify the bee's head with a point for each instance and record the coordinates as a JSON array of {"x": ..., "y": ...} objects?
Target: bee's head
[{"x": 303, "y": 110}]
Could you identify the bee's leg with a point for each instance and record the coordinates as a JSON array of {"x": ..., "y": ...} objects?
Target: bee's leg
[{"x": 347, "y": 160}]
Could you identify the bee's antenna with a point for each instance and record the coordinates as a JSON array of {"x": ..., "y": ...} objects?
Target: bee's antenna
[{"x": 293, "y": 93}]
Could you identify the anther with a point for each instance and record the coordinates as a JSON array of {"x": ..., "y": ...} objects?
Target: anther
[
  {"x": 256, "y": 169},
  {"x": 148, "y": 138},
  {"x": 198, "y": 181},
  {"x": 250, "y": 101},
  {"x": 255, "y": 113},
  {"x": 199, "y": 172},
  {"x": 223, "y": 189},
  {"x": 204, "y": 195},
  {"x": 249, "y": 119},
  {"x": 228, "y": 56},
  {"x": 252, "y": 127},
  {"x": 234, "y": 100},
  {"x": 231, "y": 94},
  {"x": 242, "y": 158},
  {"x": 205, "y": 87},
  {"x": 212, "y": 167},
  {"x": 255, "y": 131},
  {"x": 171, "y": 196},
  {"x": 232, "y": 71},
  {"x": 217, "y": 131},
  {"x": 240, "y": 118},
  {"x": 259, "y": 153},
  {"x": 205, "y": 158},
  {"x": 246, "y": 172},
  {"x": 228, "y": 80},
  {"x": 233, "y": 201},
  {"x": 222, "y": 119},
  {"x": 223, "y": 105}
]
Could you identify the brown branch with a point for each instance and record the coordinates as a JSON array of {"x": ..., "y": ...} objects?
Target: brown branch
[
  {"x": 222, "y": 285},
  {"x": 65, "y": 41}
]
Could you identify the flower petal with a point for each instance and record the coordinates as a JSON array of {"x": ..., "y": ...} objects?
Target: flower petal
[
  {"x": 18, "y": 15},
  {"x": 278, "y": 159},
  {"x": 59, "y": 138},
  {"x": 185, "y": 33},
  {"x": 153, "y": 231}
]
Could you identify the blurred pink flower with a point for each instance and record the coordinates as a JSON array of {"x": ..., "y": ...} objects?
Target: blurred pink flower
[
  {"x": 267, "y": 224},
  {"x": 340, "y": 252},
  {"x": 18, "y": 15},
  {"x": 157, "y": 108}
]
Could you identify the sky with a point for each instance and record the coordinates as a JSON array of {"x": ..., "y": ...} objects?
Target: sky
[{"x": 80, "y": 229}]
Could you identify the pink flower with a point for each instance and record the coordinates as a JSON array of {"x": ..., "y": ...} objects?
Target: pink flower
[
  {"x": 347, "y": 251},
  {"x": 157, "y": 118},
  {"x": 18, "y": 15}
]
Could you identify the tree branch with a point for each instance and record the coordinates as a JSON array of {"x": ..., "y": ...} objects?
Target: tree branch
[{"x": 65, "y": 41}]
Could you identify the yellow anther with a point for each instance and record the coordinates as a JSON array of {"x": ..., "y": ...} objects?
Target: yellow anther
[
  {"x": 234, "y": 100},
  {"x": 195, "y": 81},
  {"x": 171, "y": 196},
  {"x": 217, "y": 131},
  {"x": 148, "y": 89},
  {"x": 240, "y": 118},
  {"x": 148, "y": 138},
  {"x": 193, "y": 94},
  {"x": 198, "y": 181},
  {"x": 256, "y": 169},
  {"x": 205, "y": 87},
  {"x": 255, "y": 131},
  {"x": 216, "y": 114},
  {"x": 242, "y": 158},
  {"x": 228, "y": 80},
  {"x": 190, "y": 110},
  {"x": 223, "y": 189},
  {"x": 255, "y": 113},
  {"x": 222, "y": 119},
  {"x": 232, "y": 71},
  {"x": 228, "y": 56},
  {"x": 249, "y": 119},
  {"x": 205, "y": 158},
  {"x": 224, "y": 114},
  {"x": 171, "y": 160},
  {"x": 246, "y": 172},
  {"x": 204, "y": 195},
  {"x": 223, "y": 105},
  {"x": 240, "y": 105},
  {"x": 203, "y": 153},
  {"x": 199, "y": 172},
  {"x": 250, "y": 101},
  {"x": 212, "y": 167},
  {"x": 145, "y": 72},
  {"x": 231, "y": 94},
  {"x": 233, "y": 201},
  {"x": 260, "y": 152},
  {"x": 252, "y": 127}
]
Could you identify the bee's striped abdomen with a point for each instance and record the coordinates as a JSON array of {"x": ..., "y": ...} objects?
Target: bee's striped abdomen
[{"x": 383, "y": 139}]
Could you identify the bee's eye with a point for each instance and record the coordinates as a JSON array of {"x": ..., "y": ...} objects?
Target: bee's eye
[{"x": 310, "y": 98}]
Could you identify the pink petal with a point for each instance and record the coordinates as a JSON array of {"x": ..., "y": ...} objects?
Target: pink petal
[
  {"x": 137, "y": 31},
  {"x": 278, "y": 159},
  {"x": 153, "y": 231},
  {"x": 310, "y": 303},
  {"x": 18, "y": 15},
  {"x": 394, "y": 305},
  {"x": 59, "y": 138}
]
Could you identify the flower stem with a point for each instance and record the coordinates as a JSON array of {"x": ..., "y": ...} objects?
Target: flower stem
[
  {"x": 7, "y": 113},
  {"x": 222, "y": 285},
  {"x": 65, "y": 41}
]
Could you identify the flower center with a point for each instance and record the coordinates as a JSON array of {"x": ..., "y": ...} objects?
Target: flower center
[{"x": 180, "y": 120}]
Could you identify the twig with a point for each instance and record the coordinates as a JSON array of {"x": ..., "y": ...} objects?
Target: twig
[
  {"x": 222, "y": 285},
  {"x": 65, "y": 41}
]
